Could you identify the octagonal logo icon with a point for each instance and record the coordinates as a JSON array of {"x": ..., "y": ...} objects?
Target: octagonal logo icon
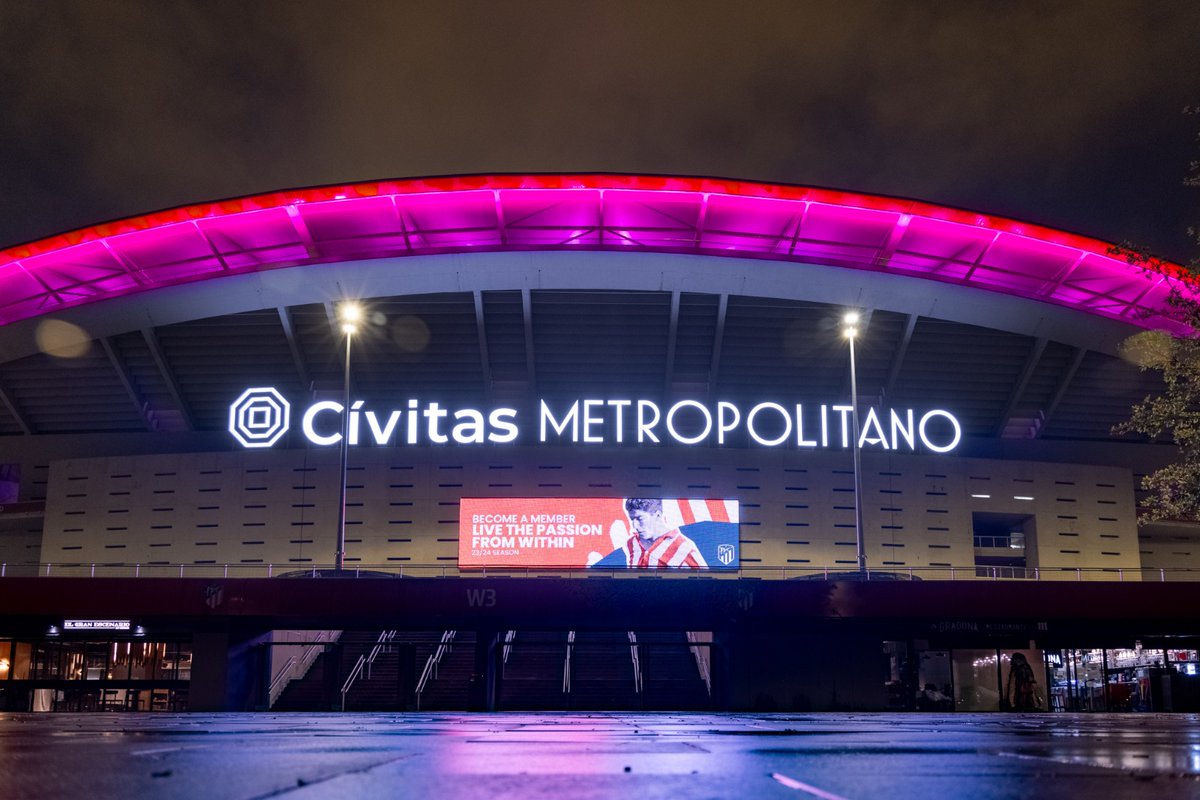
[{"x": 259, "y": 418}]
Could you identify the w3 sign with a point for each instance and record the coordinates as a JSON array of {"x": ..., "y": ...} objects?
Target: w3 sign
[{"x": 481, "y": 598}]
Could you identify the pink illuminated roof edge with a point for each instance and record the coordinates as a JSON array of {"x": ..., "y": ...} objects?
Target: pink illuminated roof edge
[{"x": 48, "y": 262}]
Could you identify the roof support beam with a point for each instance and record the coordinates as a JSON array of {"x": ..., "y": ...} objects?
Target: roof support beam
[
  {"x": 1060, "y": 391},
  {"x": 527, "y": 315},
  {"x": 718, "y": 339},
  {"x": 302, "y": 231},
  {"x": 1014, "y": 397},
  {"x": 168, "y": 376},
  {"x": 485, "y": 363},
  {"x": 289, "y": 332},
  {"x": 123, "y": 373},
  {"x": 910, "y": 324},
  {"x": 672, "y": 336},
  {"x": 10, "y": 403},
  {"x": 884, "y": 255}
]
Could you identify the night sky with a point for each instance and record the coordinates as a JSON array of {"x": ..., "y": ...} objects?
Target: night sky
[{"x": 1064, "y": 113}]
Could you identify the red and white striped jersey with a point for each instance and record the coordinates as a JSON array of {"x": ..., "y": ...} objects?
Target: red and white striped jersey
[
  {"x": 680, "y": 512},
  {"x": 672, "y": 549}
]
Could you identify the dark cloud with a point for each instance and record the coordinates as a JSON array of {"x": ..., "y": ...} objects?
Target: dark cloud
[{"x": 1063, "y": 113}]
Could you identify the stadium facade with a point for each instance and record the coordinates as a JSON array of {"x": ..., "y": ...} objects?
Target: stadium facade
[{"x": 534, "y": 352}]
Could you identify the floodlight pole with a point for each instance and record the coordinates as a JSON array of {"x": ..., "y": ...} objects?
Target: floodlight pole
[
  {"x": 339, "y": 555},
  {"x": 851, "y": 334}
]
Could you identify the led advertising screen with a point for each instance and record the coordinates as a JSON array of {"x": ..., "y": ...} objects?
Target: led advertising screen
[{"x": 599, "y": 532}]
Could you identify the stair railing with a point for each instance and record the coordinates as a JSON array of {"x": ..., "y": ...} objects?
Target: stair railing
[
  {"x": 637, "y": 666},
  {"x": 278, "y": 684},
  {"x": 295, "y": 668},
  {"x": 365, "y": 661},
  {"x": 508, "y": 640},
  {"x": 567, "y": 662},
  {"x": 702, "y": 658},
  {"x": 431, "y": 664}
]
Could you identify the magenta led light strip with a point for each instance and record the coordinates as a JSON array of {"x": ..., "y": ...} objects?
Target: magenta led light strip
[{"x": 702, "y": 216}]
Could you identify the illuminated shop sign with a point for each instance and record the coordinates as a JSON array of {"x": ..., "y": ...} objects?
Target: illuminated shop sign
[
  {"x": 96, "y": 625},
  {"x": 598, "y": 532},
  {"x": 261, "y": 416}
]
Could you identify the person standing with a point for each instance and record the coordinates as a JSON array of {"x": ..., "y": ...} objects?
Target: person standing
[{"x": 1021, "y": 690}]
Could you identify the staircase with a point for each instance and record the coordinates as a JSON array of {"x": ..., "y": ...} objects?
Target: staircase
[
  {"x": 604, "y": 674},
  {"x": 532, "y": 677},
  {"x": 447, "y": 686},
  {"x": 379, "y": 690},
  {"x": 671, "y": 680},
  {"x": 603, "y": 677}
]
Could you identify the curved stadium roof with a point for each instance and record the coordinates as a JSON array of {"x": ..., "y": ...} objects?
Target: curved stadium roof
[
  {"x": 729, "y": 289},
  {"x": 575, "y": 212}
]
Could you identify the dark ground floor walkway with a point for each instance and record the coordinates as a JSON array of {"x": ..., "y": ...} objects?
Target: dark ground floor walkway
[{"x": 647, "y": 756}]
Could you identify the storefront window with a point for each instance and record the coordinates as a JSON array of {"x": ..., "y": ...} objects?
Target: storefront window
[
  {"x": 934, "y": 690},
  {"x": 21, "y": 654},
  {"x": 46, "y": 661},
  {"x": 1024, "y": 684},
  {"x": 976, "y": 680}
]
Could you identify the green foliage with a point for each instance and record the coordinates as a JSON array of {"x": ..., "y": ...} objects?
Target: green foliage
[{"x": 1173, "y": 492}]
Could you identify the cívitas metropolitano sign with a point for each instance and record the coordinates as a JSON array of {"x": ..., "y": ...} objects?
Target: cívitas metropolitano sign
[{"x": 261, "y": 416}]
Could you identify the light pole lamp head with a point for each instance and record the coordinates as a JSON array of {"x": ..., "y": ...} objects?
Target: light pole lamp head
[
  {"x": 850, "y": 324},
  {"x": 350, "y": 313}
]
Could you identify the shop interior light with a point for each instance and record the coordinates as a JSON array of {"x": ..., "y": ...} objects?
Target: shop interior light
[
  {"x": 982, "y": 496},
  {"x": 1021, "y": 497}
]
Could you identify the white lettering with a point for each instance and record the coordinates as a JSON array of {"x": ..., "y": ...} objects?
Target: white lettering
[
  {"x": 644, "y": 428},
  {"x": 382, "y": 435},
  {"x": 571, "y": 418},
  {"x": 800, "y": 440},
  {"x": 787, "y": 427},
  {"x": 310, "y": 416},
  {"x": 845, "y": 412},
  {"x": 471, "y": 431},
  {"x": 898, "y": 429},
  {"x": 866, "y": 435},
  {"x": 505, "y": 420},
  {"x": 620, "y": 406},
  {"x": 937, "y": 412},
  {"x": 354, "y": 412},
  {"x": 722, "y": 427},
  {"x": 413, "y": 419},
  {"x": 435, "y": 414},
  {"x": 589, "y": 420},
  {"x": 686, "y": 439}
]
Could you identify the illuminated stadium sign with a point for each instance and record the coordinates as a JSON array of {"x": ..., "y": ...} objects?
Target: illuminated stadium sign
[
  {"x": 261, "y": 416},
  {"x": 598, "y": 532}
]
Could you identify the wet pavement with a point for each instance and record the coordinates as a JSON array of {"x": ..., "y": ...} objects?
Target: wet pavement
[{"x": 563, "y": 756}]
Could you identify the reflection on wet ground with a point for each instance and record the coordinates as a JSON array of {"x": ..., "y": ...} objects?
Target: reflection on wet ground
[{"x": 561, "y": 756}]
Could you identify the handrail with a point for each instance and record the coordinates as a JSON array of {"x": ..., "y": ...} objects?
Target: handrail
[
  {"x": 637, "y": 666},
  {"x": 701, "y": 661},
  {"x": 364, "y": 663},
  {"x": 278, "y": 683},
  {"x": 293, "y": 669},
  {"x": 567, "y": 662},
  {"x": 431, "y": 663},
  {"x": 76, "y": 569}
]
